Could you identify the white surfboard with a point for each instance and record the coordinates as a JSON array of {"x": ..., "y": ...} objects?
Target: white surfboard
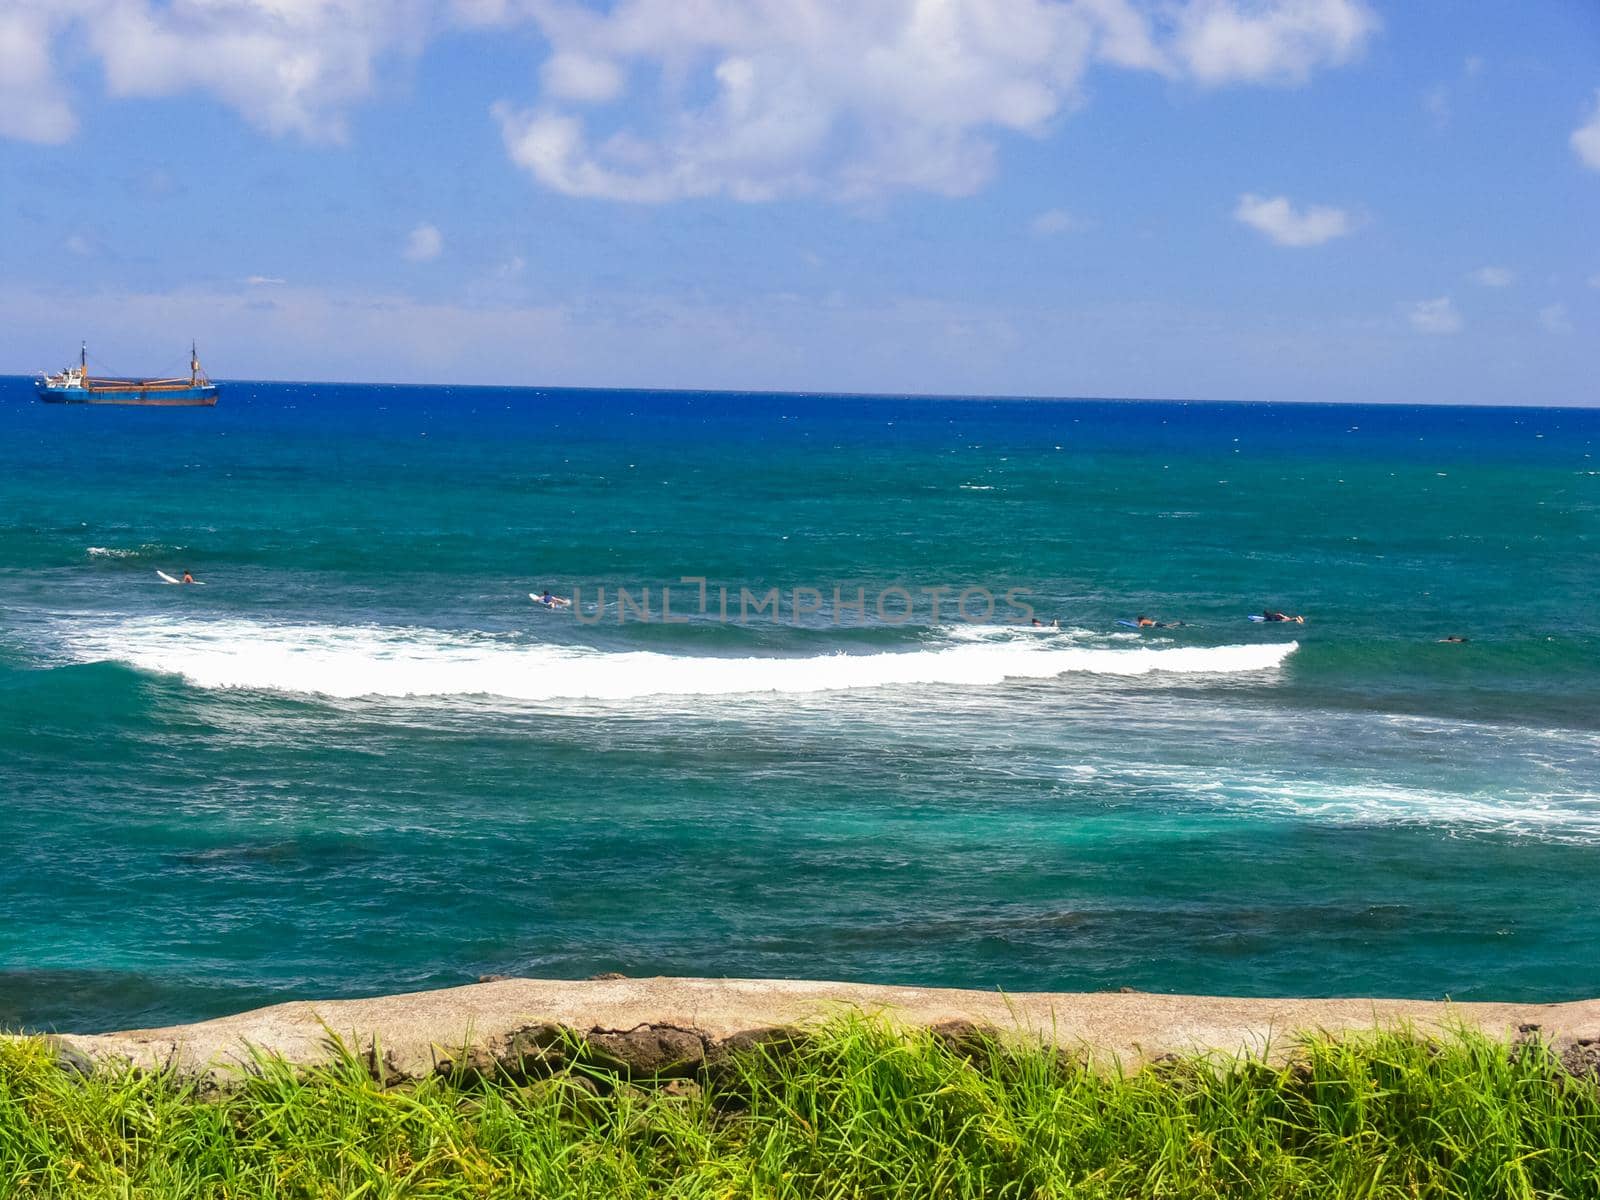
[{"x": 165, "y": 578}]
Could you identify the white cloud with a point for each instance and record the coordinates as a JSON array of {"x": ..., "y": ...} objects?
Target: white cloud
[
  {"x": 1434, "y": 316},
  {"x": 1237, "y": 41},
  {"x": 79, "y": 245},
  {"x": 1278, "y": 220},
  {"x": 581, "y": 77},
  {"x": 1586, "y": 138},
  {"x": 1495, "y": 277},
  {"x": 832, "y": 97},
  {"x": 511, "y": 267},
  {"x": 635, "y": 337},
  {"x": 287, "y": 66},
  {"x": 382, "y": 335},
  {"x": 263, "y": 280},
  {"x": 1053, "y": 221},
  {"x": 32, "y": 106},
  {"x": 752, "y": 99},
  {"x": 424, "y": 243},
  {"x": 757, "y": 99},
  {"x": 1555, "y": 319},
  {"x": 482, "y": 12}
]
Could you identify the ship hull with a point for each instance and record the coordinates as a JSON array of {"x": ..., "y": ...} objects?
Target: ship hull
[{"x": 202, "y": 396}]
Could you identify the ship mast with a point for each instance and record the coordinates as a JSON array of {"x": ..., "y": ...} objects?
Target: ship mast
[{"x": 194, "y": 363}]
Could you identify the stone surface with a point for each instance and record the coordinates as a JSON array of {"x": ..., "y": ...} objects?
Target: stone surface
[
  {"x": 681, "y": 1027},
  {"x": 1579, "y": 1055},
  {"x": 648, "y": 1049}
]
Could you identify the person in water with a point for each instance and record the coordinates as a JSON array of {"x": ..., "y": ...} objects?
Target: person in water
[
  {"x": 1270, "y": 615},
  {"x": 1144, "y": 622},
  {"x": 1453, "y": 638},
  {"x": 188, "y": 578}
]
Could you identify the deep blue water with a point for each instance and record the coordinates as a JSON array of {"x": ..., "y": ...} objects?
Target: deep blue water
[{"x": 358, "y": 759}]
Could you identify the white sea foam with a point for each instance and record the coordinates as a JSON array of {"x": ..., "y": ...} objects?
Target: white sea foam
[
  {"x": 1526, "y": 809},
  {"x": 1571, "y": 816},
  {"x": 148, "y": 549},
  {"x": 965, "y": 632},
  {"x": 361, "y": 661}
]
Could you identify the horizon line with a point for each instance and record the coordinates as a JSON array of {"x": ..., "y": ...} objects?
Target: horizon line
[{"x": 1020, "y": 397}]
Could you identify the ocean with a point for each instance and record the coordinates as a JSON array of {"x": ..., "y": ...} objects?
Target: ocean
[{"x": 360, "y": 760}]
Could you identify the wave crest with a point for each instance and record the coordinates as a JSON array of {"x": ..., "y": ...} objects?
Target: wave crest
[
  {"x": 371, "y": 661},
  {"x": 147, "y": 550}
]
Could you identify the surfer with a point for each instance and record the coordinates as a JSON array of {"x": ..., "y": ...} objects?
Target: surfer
[
  {"x": 1144, "y": 622},
  {"x": 1454, "y": 639},
  {"x": 187, "y": 578},
  {"x": 1271, "y": 615}
]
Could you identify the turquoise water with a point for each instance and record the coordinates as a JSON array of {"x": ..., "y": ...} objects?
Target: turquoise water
[{"x": 359, "y": 759}]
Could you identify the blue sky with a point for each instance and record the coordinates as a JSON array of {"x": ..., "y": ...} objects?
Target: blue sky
[{"x": 1226, "y": 199}]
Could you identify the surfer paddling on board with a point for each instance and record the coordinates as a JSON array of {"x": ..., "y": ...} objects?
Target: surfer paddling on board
[
  {"x": 1271, "y": 615},
  {"x": 187, "y": 578},
  {"x": 550, "y": 600}
]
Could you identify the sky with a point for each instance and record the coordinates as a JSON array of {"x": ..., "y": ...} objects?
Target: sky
[{"x": 1317, "y": 200}]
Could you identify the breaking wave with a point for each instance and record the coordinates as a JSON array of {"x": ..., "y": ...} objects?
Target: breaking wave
[
  {"x": 1547, "y": 806},
  {"x": 374, "y": 661},
  {"x": 147, "y": 550}
]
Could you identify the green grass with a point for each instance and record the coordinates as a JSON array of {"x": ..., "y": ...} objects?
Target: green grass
[{"x": 858, "y": 1111}]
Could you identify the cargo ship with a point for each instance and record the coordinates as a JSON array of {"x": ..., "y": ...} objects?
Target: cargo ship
[{"x": 74, "y": 385}]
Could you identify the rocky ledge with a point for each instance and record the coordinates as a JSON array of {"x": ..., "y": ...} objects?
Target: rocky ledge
[{"x": 684, "y": 1027}]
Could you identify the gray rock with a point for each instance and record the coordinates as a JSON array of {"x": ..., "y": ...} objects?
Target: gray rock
[
  {"x": 70, "y": 1059},
  {"x": 1581, "y": 1057},
  {"x": 648, "y": 1050}
]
